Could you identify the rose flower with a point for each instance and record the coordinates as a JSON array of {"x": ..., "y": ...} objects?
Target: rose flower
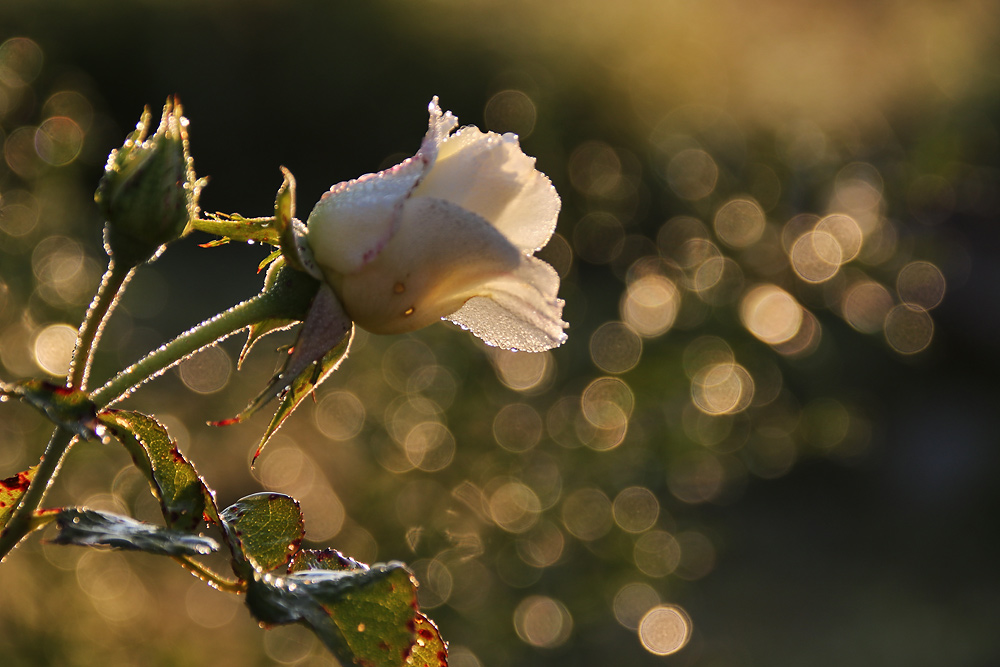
[{"x": 447, "y": 234}]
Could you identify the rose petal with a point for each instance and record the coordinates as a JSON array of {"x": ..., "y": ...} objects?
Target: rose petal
[
  {"x": 358, "y": 217},
  {"x": 354, "y": 220},
  {"x": 441, "y": 256},
  {"x": 518, "y": 311},
  {"x": 489, "y": 174}
]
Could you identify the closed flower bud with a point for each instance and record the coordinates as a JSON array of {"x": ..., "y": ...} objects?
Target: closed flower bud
[
  {"x": 447, "y": 234},
  {"x": 149, "y": 192}
]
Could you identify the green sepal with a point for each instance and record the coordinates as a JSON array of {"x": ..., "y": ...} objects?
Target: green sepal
[
  {"x": 322, "y": 344},
  {"x": 304, "y": 385},
  {"x": 235, "y": 227}
]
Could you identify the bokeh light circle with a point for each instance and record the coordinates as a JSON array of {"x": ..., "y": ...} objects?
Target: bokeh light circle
[
  {"x": 665, "y": 629},
  {"x": 511, "y": 111},
  {"x": 615, "y": 347},
  {"x": 921, "y": 284},
  {"x": 692, "y": 174},
  {"x": 908, "y": 329},
  {"x": 816, "y": 256},
  {"x": 739, "y": 223},
  {"x": 54, "y": 348},
  {"x": 771, "y": 314},
  {"x": 543, "y": 621},
  {"x": 722, "y": 389}
]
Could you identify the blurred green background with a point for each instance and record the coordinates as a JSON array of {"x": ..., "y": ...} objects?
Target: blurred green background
[{"x": 768, "y": 438}]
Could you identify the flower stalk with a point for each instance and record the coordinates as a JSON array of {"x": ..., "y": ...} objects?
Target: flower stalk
[
  {"x": 112, "y": 284},
  {"x": 20, "y": 523}
]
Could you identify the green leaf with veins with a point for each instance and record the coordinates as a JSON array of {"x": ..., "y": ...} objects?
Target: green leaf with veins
[
  {"x": 11, "y": 490},
  {"x": 184, "y": 498},
  {"x": 429, "y": 650},
  {"x": 69, "y": 408},
  {"x": 264, "y": 531},
  {"x": 322, "y": 559},
  {"x": 91, "y": 528},
  {"x": 364, "y": 616}
]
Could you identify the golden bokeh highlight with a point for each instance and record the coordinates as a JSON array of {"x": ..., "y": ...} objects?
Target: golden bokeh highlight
[
  {"x": 650, "y": 305},
  {"x": 20, "y": 62},
  {"x": 20, "y": 154},
  {"x": 542, "y": 546},
  {"x": 615, "y": 347},
  {"x": 206, "y": 371},
  {"x": 908, "y": 329},
  {"x": 462, "y": 656},
  {"x": 816, "y": 256},
  {"x": 771, "y": 314},
  {"x": 587, "y": 514},
  {"x": 285, "y": 468},
  {"x": 636, "y": 509},
  {"x": 739, "y": 223},
  {"x": 865, "y": 306},
  {"x": 631, "y": 603},
  {"x": 718, "y": 280},
  {"x": 54, "y": 348},
  {"x": 58, "y": 141},
  {"x": 724, "y": 388},
  {"x": 72, "y": 105},
  {"x": 692, "y": 174},
  {"x": 796, "y": 227},
  {"x": 523, "y": 372},
  {"x": 845, "y": 231},
  {"x": 514, "y": 506},
  {"x": 705, "y": 351},
  {"x": 805, "y": 341},
  {"x": 517, "y": 427},
  {"x": 429, "y": 446},
  {"x": 64, "y": 272},
  {"x": 606, "y": 406},
  {"x": 404, "y": 358},
  {"x": 665, "y": 629},
  {"x": 115, "y": 591},
  {"x": 340, "y": 415},
  {"x": 657, "y": 553},
  {"x": 436, "y": 582},
  {"x": 511, "y": 111},
  {"x": 542, "y": 621},
  {"x": 289, "y": 644},
  {"x": 18, "y": 213},
  {"x": 921, "y": 284}
]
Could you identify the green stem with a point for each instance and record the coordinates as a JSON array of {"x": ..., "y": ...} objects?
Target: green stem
[
  {"x": 20, "y": 524},
  {"x": 203, "y": 335},
  {"x": 240, "y": 229},
  {"x": 115, "y": 279},
  {"x": 210, "y": 576}
]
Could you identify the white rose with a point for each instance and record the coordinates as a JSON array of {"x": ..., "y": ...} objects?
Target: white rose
[{"x": 447, "y": 234}]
